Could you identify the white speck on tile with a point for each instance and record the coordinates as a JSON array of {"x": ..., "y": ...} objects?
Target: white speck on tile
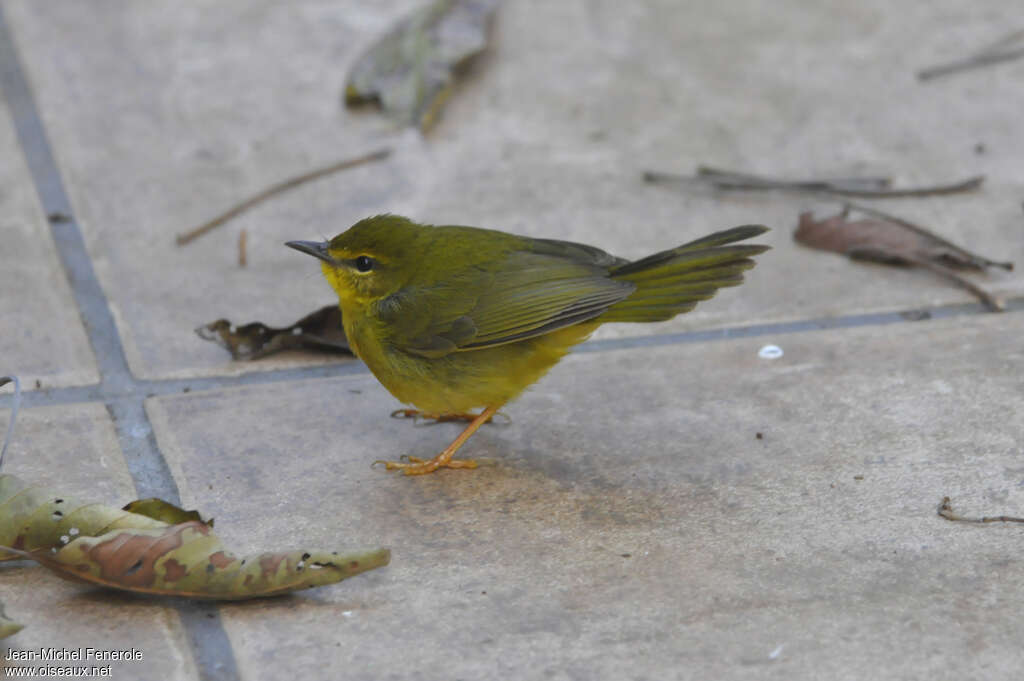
[{"x": 770, "y": 352}]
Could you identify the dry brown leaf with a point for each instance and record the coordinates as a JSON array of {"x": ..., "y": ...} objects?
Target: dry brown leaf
[
  {"x": 411, "y": 69},
  {"x": 894, "y": 241},
  {"x": 321, "y": 331}
]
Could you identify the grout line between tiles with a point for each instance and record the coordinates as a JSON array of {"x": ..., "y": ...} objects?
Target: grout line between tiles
[
  {"x": 351, "y": 367},
  {"x": 209, "y": 643},
  {"x": 89, "y": 296},
  {"x": 798, "y": 326}
]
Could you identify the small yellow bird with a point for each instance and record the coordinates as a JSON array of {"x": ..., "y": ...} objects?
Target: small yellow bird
[{"x": 451, "y": 319}]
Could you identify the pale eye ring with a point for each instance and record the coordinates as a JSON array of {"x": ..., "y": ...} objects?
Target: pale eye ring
[{"x": 364, "y": 263}]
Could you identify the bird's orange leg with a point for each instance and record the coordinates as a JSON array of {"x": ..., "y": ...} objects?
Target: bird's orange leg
[{"x": 444, "y": 459}]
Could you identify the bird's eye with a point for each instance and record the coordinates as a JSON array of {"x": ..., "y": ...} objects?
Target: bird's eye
[{"x": 364, "y": 263}]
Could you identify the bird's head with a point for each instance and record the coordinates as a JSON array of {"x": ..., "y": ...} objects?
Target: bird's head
[{"x": 371, "y": 260}]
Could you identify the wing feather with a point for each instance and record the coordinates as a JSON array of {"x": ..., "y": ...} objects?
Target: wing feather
[{"x": 526, "y": 294}]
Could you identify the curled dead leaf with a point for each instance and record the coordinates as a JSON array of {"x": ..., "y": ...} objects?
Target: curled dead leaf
[{"x": 321, "y": 331}]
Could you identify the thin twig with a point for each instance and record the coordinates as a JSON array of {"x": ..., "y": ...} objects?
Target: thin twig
[
  {"x": 946, "y": 511},
  {"x": 977, "y": 61},
  {"x": 993, "y": 54},
  {"x": 968, "y": 185},
  {"x": 242, "y": 259},
  {"x": 245, "y": 205},
  {"x": 861, "y": 187},
  {"x": 4, "y": 380},
  {"x": 728, "y": 179}
]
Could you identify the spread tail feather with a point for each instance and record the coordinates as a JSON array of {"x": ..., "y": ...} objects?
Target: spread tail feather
[{"x": 674, "y": 281}]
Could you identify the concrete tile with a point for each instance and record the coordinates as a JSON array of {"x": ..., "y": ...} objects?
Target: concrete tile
[
  {"x": 547, "y": 137},
  {"x": 200, "y": 117},
  {"x": 74, "y": 447},
  {"x": 43, "y": 339},
  {"x": 633, "y": 525}
]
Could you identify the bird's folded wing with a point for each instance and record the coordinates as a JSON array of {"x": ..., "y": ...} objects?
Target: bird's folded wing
[{"x": 527, "y": 294}]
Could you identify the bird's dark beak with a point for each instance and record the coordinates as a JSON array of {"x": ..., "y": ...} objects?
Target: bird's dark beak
[{"x": 317, "y": 249}]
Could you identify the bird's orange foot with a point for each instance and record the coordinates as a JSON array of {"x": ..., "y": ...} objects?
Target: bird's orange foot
[
  {"x": 440, "y": 418},
  {"x": 417, "y": 466},
  {"x": 412, "y": 465}
]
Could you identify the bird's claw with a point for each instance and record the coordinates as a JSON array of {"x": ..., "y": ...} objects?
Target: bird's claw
[{"x": 413, "y": 465}]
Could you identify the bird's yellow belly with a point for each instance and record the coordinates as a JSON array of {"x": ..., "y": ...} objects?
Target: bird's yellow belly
[{"x": 469, "y": 379}]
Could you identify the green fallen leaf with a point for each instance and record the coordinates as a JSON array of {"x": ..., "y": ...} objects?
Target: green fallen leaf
[
  {"x": 187, "y": 559},
  {"x": 410, "y": 71},
  {"x": 37, "y": 517}
]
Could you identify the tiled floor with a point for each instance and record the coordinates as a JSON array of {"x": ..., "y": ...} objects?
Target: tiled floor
[{"x": 630, "y": 523}]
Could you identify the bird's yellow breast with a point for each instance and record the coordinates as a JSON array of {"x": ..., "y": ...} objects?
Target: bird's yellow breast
[{"x": 462, "y": 380}]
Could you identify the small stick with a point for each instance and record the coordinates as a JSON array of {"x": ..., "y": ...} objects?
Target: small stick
[
  {"x": 728, "y": 179},
  {"x": 861, "y": 187},
  {"x": 993, "y": 54},
  {"x": 977, "y": 61},
  {"x": 946, "y": 511},
  {"x": 993, "y": 303},
  {"x": 245, "y": 205},
  {"x": 242, "y": 260},
  {"x": 725, "y": 179},
  {"x": 970, "y": 184}
]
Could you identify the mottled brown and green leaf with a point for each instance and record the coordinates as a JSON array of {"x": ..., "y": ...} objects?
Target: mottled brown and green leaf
[
  {"x": 36, "y": 517},
  {"x": 107, "y": 546},
  {"x": 187, "y": 559}
]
